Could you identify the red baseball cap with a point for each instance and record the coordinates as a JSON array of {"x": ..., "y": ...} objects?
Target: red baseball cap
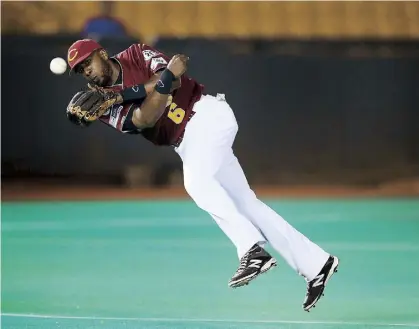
[{"x": 80, "y": 50}]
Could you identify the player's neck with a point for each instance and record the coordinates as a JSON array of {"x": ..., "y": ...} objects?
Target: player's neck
[{"x": 115, "y": 71}]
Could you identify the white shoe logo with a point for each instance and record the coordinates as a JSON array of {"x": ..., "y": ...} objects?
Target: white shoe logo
[
  {"x": 318, "y": 280},
  {"x": 255, "y": 263}
]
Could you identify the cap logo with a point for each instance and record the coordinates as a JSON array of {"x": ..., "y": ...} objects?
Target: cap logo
[{"x": 72, "y": 54}]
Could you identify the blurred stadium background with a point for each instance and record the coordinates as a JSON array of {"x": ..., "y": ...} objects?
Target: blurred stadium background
[
  {"x": 343, "y": 113},
  {"x": 343, "y": 120}
]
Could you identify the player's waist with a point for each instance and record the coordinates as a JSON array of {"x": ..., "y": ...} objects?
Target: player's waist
[{"x": 194, "y": 109}]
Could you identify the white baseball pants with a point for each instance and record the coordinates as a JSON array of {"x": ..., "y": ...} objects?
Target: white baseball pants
[{"x": 215, "y": 180}]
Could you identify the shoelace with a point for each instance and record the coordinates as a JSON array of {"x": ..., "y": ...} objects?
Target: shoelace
[
  {"x": 308, "y": 288},
  {"x": 243, "y": 263}
]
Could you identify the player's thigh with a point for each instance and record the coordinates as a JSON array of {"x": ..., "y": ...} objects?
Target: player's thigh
[
  {"x": 200, "y": 173},
  {"x": 232, "y": 177},
  {"x": 208, "y": 142}
]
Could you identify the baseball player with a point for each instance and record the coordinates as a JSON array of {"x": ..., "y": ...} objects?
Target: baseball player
[{"x": 142, "y": 91}]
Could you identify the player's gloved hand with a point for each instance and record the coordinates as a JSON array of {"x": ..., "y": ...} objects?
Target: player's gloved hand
[
  {"x": 178, "y": 65},
  {"x": 87, "y": 106}
]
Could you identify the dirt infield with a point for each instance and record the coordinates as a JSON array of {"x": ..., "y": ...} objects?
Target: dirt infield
[{"x": 25, "y": 192}]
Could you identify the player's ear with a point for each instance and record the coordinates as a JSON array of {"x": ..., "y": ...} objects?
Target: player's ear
[{"x": 103, "y": 54}]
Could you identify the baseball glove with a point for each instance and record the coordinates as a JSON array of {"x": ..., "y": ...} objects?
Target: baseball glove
[{"x": 88, "y": 105}]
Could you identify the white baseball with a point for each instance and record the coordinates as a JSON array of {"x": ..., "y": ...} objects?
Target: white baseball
[{"x": 58, "y": 65}]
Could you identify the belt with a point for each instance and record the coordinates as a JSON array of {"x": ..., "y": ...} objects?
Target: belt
[{"x": 180, "y": 138}]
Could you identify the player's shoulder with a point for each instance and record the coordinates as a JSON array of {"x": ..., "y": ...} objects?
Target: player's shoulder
[
  {"x": 149, "y": 52},
  {"x": 142, "y": 50},
  {"x": 134, "y": 49}
]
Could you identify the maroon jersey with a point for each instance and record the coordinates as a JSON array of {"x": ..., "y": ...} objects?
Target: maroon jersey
[{"x": 139, "y": 63}]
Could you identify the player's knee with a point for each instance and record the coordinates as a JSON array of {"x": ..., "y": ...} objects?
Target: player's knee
[
  {"x": 235, "y": 127},
  {"x": 198, "y": 188},
  {"x": 194, "y": 186}
]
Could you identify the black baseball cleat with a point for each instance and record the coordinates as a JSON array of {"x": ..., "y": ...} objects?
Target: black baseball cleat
[
  {"x": 256, "y": 261},
  {"x": 316, "y": 286}
]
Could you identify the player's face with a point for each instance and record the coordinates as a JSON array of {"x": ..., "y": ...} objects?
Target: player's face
[{"x": 96, "y": 69}]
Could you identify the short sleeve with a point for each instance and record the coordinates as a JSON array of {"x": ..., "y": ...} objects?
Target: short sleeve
[{"x": 153, "y": 59}]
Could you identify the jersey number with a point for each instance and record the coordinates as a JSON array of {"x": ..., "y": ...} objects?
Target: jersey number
[{"x": 176, "y": 114}]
